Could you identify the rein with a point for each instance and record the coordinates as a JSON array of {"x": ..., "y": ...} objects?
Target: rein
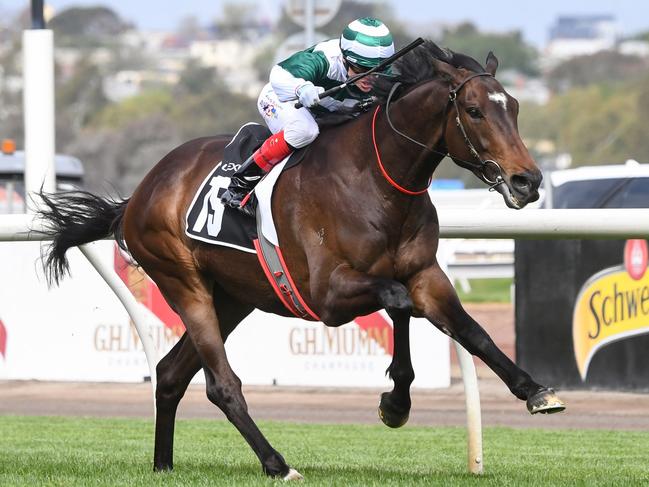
[
  {"x": 481, "y": 165},
  {"x": 380, "y": 163}
]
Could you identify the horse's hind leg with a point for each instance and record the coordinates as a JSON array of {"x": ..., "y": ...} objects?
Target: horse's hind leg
[
  {"x": 176, "y": 370},
  {"x": 192, "y": 299},
  {"x": 435, "y": 298}
]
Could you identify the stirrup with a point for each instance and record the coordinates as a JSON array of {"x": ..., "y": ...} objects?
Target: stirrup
[
  {"x": 240, "y": 198},
  {"x": 242, "y": 182},
  {"x": 234, "y": 195},
  {"x": 246, "y": 204}
]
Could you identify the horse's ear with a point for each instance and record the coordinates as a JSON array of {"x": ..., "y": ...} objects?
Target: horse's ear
[
  {"x": 492, "y": 63},
  {"x": 448, "y": 72}
]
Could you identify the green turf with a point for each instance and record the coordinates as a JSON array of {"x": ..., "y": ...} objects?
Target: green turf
[
  {"x": 487, "y": 291},
  {"x": 68, "y": 451}
]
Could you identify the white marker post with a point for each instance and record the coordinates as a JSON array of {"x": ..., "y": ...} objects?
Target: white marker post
[
  {"x": 471, "y": 392},
  {"x": 38, "y": 103},
  {"x": 309, "y": 22},
  {"x": 473, "y": 412}
]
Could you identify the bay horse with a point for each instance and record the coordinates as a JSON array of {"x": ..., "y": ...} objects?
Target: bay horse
[{"x": 358, "y": 231}]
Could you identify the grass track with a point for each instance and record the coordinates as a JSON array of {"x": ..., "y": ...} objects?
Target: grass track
[
  {"x": 70, "y": 451},
  {"x": 498, "y": 290}
]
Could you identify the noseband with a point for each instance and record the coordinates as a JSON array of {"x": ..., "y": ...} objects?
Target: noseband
[{"x": 481, "y": 166}]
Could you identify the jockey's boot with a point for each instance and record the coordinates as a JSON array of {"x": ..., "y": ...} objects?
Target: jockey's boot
[
  {"x": 240, "y": 186},
  {"x": 273, "y": 150}
]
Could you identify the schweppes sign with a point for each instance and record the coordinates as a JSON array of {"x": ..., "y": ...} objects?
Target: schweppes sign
[{"x": 612, "y": 305}]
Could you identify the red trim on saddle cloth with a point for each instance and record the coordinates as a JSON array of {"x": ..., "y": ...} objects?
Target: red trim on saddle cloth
[
  {"x": 383, "y": 171},
  {"x": 283, "y": 294},
  {"x": 273, "y": 150}
]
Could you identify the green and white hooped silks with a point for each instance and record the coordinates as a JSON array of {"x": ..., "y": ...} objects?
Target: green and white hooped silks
[{"x": 366, "y": 42}]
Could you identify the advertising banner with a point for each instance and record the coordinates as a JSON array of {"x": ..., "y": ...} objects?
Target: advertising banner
[
  {"x": 582, "y": 312},
  {"x": 80, "y": 332},
  {"x": 612, "y": 305}
]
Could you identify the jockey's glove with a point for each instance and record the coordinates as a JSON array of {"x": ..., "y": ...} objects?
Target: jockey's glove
[{"x": 308, "y": 94}]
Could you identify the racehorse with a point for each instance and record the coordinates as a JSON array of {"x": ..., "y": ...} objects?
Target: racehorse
[{"x": 358, "y": 231}]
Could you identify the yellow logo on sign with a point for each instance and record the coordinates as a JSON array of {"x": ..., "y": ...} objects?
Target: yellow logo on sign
[{"x": 610, "y": 306}]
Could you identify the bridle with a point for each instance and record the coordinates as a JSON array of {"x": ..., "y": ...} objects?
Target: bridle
[
  {"x": 483, "y": 163},
  {"x": 480, "y": 167}
]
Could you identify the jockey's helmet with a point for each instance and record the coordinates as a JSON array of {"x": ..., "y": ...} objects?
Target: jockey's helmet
[{"x": 366, "y": 42}]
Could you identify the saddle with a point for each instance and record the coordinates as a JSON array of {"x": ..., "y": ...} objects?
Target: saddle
[
  {"x": 246, "y": 141},
  {"x": 208, "y": 219}
]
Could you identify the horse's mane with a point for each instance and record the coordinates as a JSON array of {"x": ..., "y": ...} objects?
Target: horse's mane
[{"x": 416, "y": 67}]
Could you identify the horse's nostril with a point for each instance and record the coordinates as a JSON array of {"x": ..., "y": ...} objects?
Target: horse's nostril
[{"x": 521, "y": 183}]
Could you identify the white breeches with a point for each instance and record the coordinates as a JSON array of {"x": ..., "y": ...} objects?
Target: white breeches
[{"x": 300, "y": 129}]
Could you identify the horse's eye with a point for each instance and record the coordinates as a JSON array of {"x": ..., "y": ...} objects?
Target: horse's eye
[{"x": 474, "y": 112}]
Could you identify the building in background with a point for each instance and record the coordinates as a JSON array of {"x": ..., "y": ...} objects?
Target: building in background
[{"x": 580, "y": 35}]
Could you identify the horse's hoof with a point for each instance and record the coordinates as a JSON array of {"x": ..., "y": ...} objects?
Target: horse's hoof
[
  {"x": 293, "y": 475},
  {"x": 545, "y": 402},
  {"x": 389, "y": 415}
]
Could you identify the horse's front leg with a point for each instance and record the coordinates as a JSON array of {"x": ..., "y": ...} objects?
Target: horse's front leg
[
  {"x": 350, "y": 291},
  {"x": 434, "y": 298},
  {"x": 394, "y": 408}
]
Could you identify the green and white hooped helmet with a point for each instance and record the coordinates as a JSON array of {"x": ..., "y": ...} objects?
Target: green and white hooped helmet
[{"x": 366, "y": 42}]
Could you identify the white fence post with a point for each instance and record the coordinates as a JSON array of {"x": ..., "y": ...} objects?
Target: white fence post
[
  {"x": 38, "y": 103},
  {"x": 470, "y": 380},
  {"x": 473, "y": 413},
  {"x": 132, "y": 307}
]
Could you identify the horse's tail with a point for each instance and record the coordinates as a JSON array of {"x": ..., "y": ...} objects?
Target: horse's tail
[{"x": 75, "y": 218}]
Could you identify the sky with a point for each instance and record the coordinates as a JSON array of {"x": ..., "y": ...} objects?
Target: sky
[{"x": 533, "y": 18}]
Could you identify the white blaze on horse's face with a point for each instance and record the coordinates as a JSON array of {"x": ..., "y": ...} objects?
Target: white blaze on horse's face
[{"x": 500, "y": 98}]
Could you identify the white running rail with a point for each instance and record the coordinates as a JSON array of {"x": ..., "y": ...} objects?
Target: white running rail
[
  {"x": 454, "y": 223},
  {"x": 21, "y": 228}
]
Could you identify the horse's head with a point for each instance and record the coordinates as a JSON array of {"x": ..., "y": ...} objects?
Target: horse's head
[{"x": 482, "y": 129}]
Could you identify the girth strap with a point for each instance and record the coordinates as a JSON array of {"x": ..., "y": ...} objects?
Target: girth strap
[{"x": 272, "y": 262}]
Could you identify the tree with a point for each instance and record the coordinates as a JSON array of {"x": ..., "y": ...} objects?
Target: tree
[
  {"x": 196, "y": 79},
  {"x": 87, "y": 26},
  {"x": 214, "y": 111},
  {"x": 510, "y": 48},
  {"x": 264, "y": 61},
  {"x": 597, "y": 124},
  {"x": 148, "y": 103},
  {"x": 189, "y": 28},
  {"x": 78, "y": 100},
  {"x": 117, "y": 158},
  {"x": 602, "y": 67},
  {"x": 11, "y": 103},
  {"x": 642, "y": 36},
  {"x": 236, "y": 19},
  {"x": 122, "y": 141}
]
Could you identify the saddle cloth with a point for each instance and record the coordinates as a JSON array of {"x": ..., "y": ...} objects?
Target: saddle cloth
[{"x": 208, "y": 220}]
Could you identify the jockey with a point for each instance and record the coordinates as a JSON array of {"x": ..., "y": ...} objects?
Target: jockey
[{"x": 364, "y": 44}]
